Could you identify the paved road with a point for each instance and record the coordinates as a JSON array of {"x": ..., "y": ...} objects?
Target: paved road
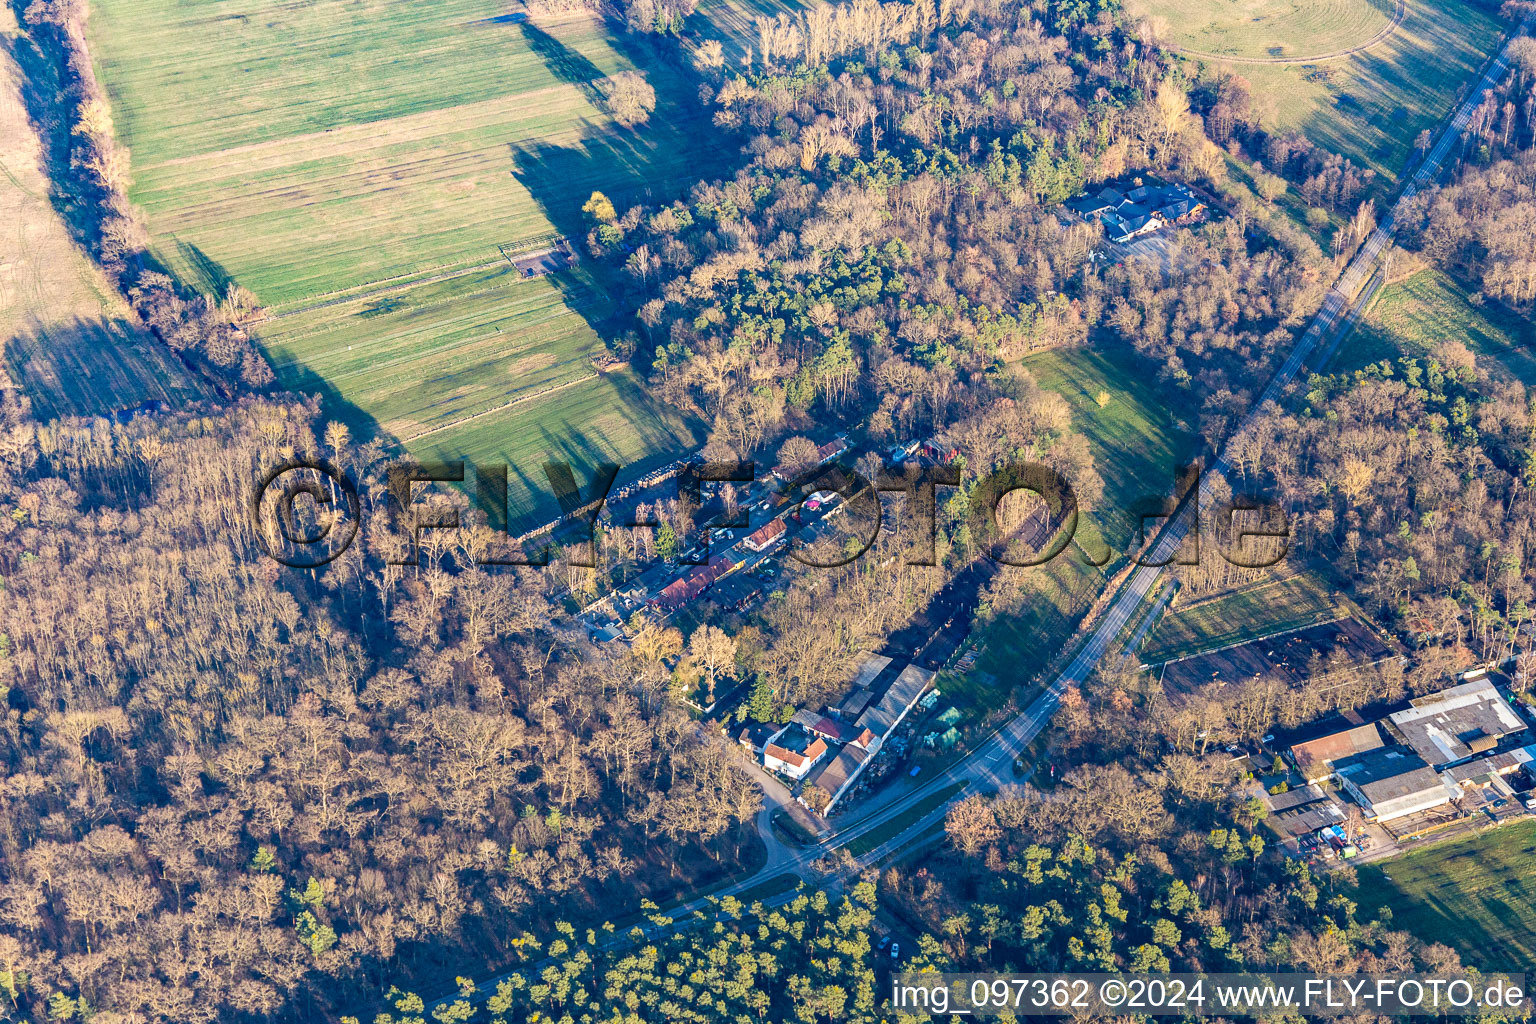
[{"x": 989, "y": 766}]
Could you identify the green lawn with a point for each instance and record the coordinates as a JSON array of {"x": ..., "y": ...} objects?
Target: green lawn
[
  {"x": 1370, "y": 106},
  {"x": 891, "y": 829},
  {"x": 360, "y": 167},
  {"x": 1135, "y": 441},
  {"x": 1020, "y": 640},
  {"x": 1266, "y": 28},
  {"x": 1412, "y": 317},
  {"x": 1476, "y": 894},
  {"x": 1240, "y": 615}
]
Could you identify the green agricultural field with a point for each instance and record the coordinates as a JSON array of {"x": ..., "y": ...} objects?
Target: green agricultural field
[
  {"x": 1369, "y": 106},
  {"x": 1240, "y": 615},
  {"x": 1265, "y": 28},
  {"x": 1476, "y": 894},
  {"x": 1136, "y": 443},
  {"x": 362, "y": 166},
  {"x": 1415, "y": 316}
]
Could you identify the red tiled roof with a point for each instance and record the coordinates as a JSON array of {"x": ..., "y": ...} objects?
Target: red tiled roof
[
  {"x": 680, "y": 591},
  {"x": 1330, "y": 748},
  {"x": 765, "y": 534},
  {"x": 812, "y": 752}
]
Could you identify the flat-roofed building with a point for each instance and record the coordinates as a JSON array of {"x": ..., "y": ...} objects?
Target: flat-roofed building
[
  {"x": 892, "y": 706},
  {"x": 1455, "y": 724}
]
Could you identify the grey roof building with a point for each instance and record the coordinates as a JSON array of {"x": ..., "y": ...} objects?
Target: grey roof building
[
  {"x": 1456, "y": 724},
  {"x": 1392, "y": 782}
]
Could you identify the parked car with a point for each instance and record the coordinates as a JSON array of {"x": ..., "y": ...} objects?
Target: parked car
[
  {"x": 895, "y": 950},
  {"x": 885, "y": 940},
  {"x": 915, "y": 769}
]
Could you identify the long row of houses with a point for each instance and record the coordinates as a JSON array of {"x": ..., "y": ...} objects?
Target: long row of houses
[
  {"x": 828, "y": 750},
  {"x": 1405, "y": 767}
]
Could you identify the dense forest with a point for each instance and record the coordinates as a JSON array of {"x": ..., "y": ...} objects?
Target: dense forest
[
  {"x": 229, "y": 784},
  {"x": 1107, "y": 872},
  {"x": 894, "y": 242}
]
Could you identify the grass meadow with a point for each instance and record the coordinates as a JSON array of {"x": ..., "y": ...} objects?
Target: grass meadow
[
  {"x": 1412, "y": 317},
  {"x": 1370, "y": 106},
  {"x": 1240, "y": 615},
  {"x": 1136, "y": 442},
  {"x": 1019, "y": 642},
  {"x": 359, "y": 167},
  {"x": 1266, "y": 28},
  {"x": 71, "y": 343},
  {"x": 1476, "y": 894}
]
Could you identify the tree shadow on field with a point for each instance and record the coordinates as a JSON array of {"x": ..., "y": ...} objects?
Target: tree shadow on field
[
  {"x": 94, "y": 367},
  {"x": 630, "y": 166},
  {"x": 300, "y": 379},
  {"x": 567, "y": 65},
  {"x": 209, "y": 276},
  {"x": 41, "y": 83}
]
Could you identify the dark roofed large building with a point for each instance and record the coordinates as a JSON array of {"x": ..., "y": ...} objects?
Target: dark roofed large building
[
  {"x": 1138, "y": 211},
  {"x": 1391, "y": 782},
  {"x": 1298, "y": 797},
  {"x": 892, "y": 706},
  {"x": 838, "y": 774}
]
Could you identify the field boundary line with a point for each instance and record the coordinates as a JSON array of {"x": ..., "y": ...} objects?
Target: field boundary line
[
  {"x": 1399, "y": 11},
  {"x": 1249, "y": 588},
  {"x": 398, "y": 284},
  {"x": 505, "y": 405}
]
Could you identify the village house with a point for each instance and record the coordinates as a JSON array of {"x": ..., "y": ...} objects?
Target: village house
[
  {"x": 765, "y": 536},
  {"x": 793, "y": 751},
  {"x": 882, "y": 694}
]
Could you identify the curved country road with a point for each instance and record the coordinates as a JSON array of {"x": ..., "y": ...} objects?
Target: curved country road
[{"x": 1398, "y": 12}]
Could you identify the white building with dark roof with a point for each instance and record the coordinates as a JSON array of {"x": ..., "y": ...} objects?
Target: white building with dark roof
[{"x": 1391, "y": 783}]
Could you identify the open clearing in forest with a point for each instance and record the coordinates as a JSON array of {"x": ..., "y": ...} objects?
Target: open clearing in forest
[
  {"x": 1235, "y": 616},
  {"x": 1414, "y": 316},
  {"x": 362, "y": 166},
  {"x": 1476, "y": 894},
  {"x": 71, "y": 343},
  {"x": 1370, "y": 106},
  {"x": 1265, "y": 28},
  {"x": 1136, "y": 443}
]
